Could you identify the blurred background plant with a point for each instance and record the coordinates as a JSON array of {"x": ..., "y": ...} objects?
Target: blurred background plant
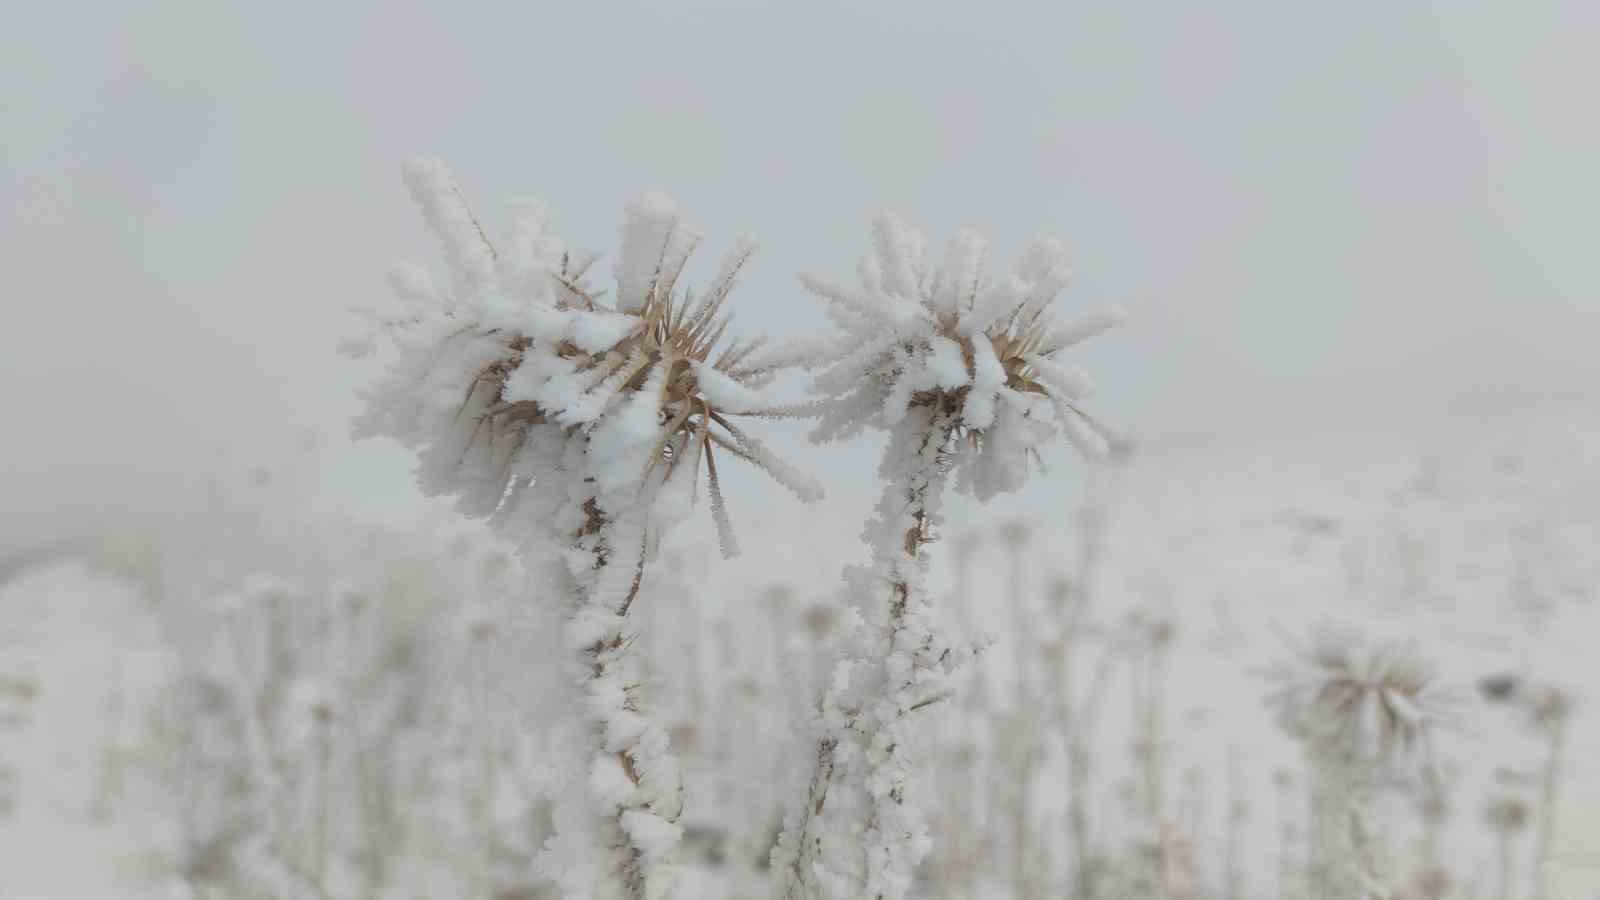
[{"x": 345, "y": 711}]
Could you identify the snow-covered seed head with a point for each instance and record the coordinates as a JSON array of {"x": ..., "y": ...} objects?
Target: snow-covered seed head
[
  {"x": 519, "y": 346},
  {"x": 663, "y": 351},
  {"x": 985, "y": 350},
  {"x": 1346, "y": 693}
]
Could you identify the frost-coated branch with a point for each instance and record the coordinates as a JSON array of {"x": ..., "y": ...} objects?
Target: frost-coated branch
[{"x": 1342, "y": 792}]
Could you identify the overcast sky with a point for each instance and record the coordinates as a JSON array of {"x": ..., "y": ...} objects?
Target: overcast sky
[{"x": 1345, "y": 214}]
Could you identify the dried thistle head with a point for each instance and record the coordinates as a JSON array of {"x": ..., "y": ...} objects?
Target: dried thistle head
[
  {"x": 984, "y": 351},
  {"x": 1347, "y": 693},
  {"x": 1507, "y": 813},
  {"x": 661, "y": 353},
  {"x": 1431, "y": 881},
  {"x": 496, "y": 375},
  {"x": 1549, "y": 706},
  {"x": 1499, "y": 687},
  {"x": 1545, "y": 706}
]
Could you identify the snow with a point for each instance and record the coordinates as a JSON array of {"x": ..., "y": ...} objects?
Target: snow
[
  {"x": 471, "y": 259},
  {"x": 883, "y": 712},
  {"x": 1426, "y": 539},
  {"x": 940, "y": 351},
  {"x": 998, "y": 300},
  {"x": 1079, "y": 330},
  {"x": 727, "y": 393},
  {"x": 652, "y": 244},
  {"x": 1071, "y": 381},
  {"x": 653, "y": 835},
  {"x": 80, "y": 637},
  {"x": 596, "y": 332},
  {"x": 963, "y": 270},
  {"x": 412, "y": 285}
]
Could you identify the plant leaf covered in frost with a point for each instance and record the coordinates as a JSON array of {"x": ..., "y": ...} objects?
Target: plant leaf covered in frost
[{"x": 957, "y": 337}]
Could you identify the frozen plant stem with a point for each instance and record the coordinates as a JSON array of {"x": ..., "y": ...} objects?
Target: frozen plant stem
[
  {"x": 1031, "y": 750},
  {"x": 1152, "y": 636},
  {"x": 1075, "y": 718},
  {"x": 960, "y": 863},
  {"x": 1238, "y": 812},
  {"x": 1553, "y": 714},
  {"x": 914, "y": 660},
  {"x": 322, "y": 748},
  {"x": 1289, "y": 876},
  {"x": 1508, "y": 863},
  {"x": 1149, "y": 700},
  {"x": 962, "y": 371},
  {"x": 1340, "y": 793},
  {"x": 628, "y": 741}
]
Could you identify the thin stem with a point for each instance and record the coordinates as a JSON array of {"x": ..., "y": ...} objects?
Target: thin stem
[
  {"x": 1238, "y": 810},
  {"x": 909, "y": 498},
  {"x": 610, "y": 663},
  {"x": 1549, "y": 790},
  {"x": 1289, "y": 885},
  {"x": 1507, "y": 863},
  {"x": 1340, "y": 859}
]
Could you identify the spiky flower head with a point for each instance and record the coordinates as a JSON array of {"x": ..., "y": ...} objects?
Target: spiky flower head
[
  {"x": 1346, "y": 692},
  {"x": 497, "y": 373},
  {"x": 984, "y": 349}
]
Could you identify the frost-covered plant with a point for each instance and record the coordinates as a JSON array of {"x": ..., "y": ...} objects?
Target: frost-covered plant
[
  {"x": 1547, "y": 709},
  {"x": 17, "y": 692},
  {"x": 328, "y": 735},
  {"x": 581, "y": 425},
  {"x": 963, "y": 371},
  {"x": 1360, "y": 707},
  {"x": 1348, "y": 694},
  {"x": 973, "y": 359},
  {"x": 1506, "y": 814}
]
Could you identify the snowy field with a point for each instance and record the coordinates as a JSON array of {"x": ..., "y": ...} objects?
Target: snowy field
[
  {"x": 377, "y": 432},
  {"x": 1477, "y": 544}
]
